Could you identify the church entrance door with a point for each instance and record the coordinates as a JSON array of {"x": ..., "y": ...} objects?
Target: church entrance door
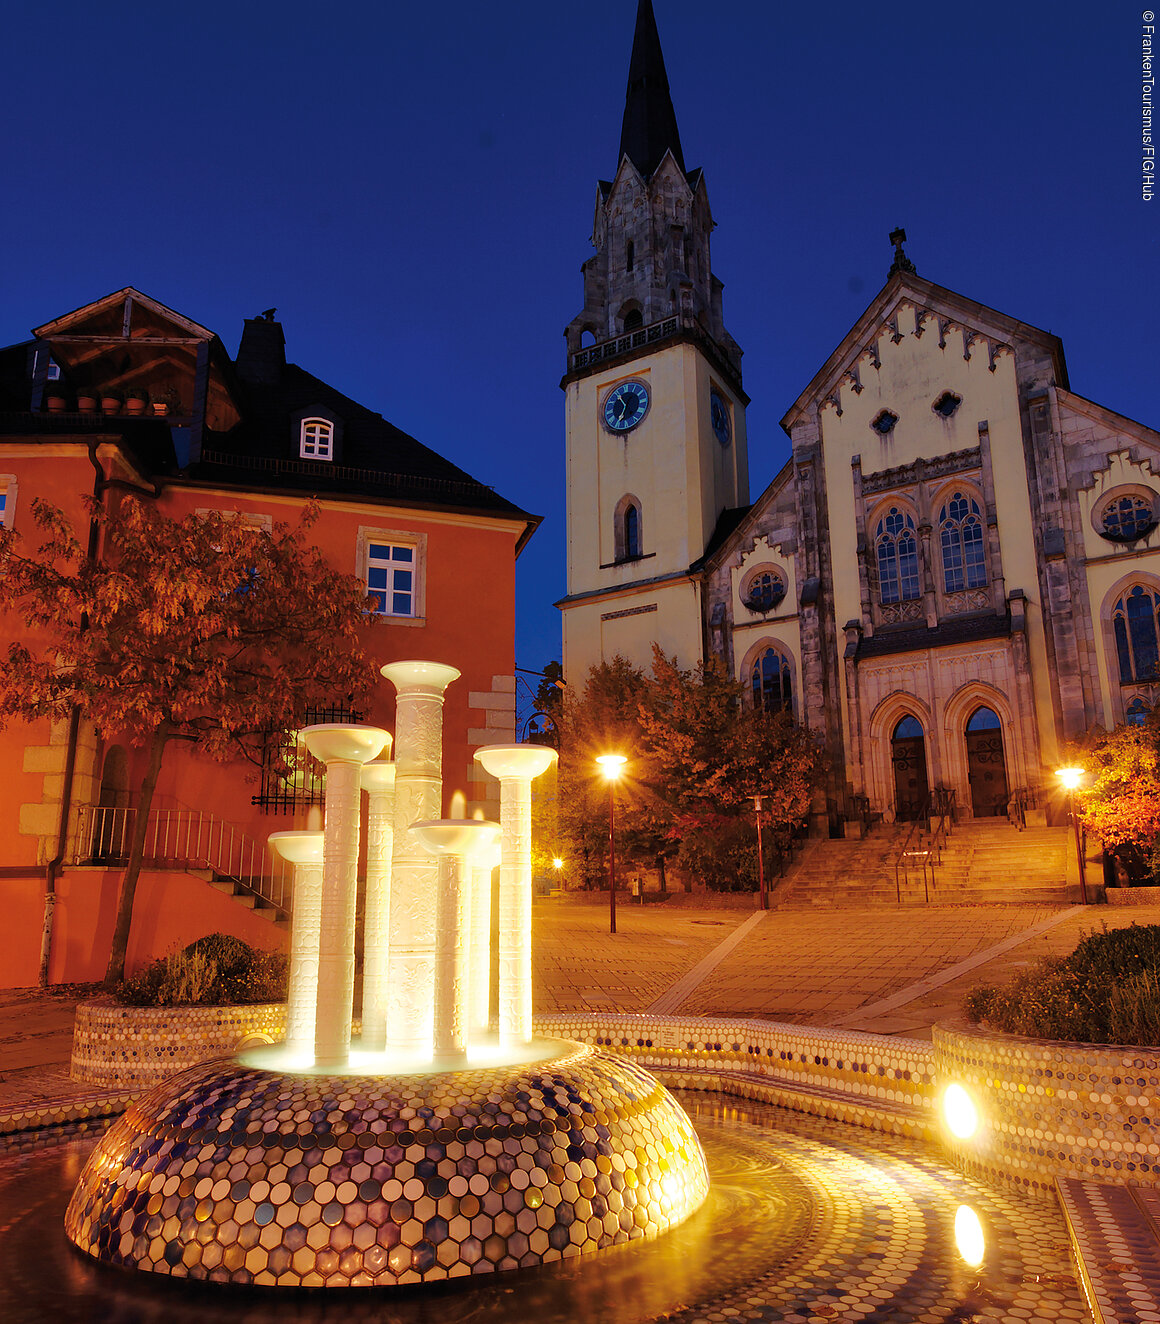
[
  {"x": 908, "y": 755},
  {"x": 986, "y": 765}
]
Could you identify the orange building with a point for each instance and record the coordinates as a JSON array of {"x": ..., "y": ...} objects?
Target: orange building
[{"x": 123, "y": 393}]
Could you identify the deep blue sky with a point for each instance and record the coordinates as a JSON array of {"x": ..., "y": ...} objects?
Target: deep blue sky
[{"x": 412, "y": 186}]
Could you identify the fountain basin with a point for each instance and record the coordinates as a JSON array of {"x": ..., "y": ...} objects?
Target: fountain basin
[{"x": 231, "y": 1173}]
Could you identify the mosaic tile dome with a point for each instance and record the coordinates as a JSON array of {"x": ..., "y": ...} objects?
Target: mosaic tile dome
[{"x": 234, "y": 1174}]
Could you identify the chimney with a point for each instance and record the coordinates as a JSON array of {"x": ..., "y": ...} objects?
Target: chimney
[{"x": 262, "y": 353}]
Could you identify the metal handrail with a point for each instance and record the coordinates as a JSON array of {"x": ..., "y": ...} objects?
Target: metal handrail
[
  {"x": 186, "y": 838},
  {"x": 943, "y": 802}
]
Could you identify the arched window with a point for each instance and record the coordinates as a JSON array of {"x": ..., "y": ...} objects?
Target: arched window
[
  {"x": 634, "y": 320},
  {"x": 908, "y": 729},
  {"x": 897, "y": 552},
  {"x": 317, "y": 439},
  {"x": 984, "y": 719},
  {"x": 1137, "y": 712},
  {"x": 771, "y": 681},
  {"x": 1134, "y": 622},
  {"x": 626, "y": 526},
  {"x": 964, "y": 560},
  {"x": 631, "y": 531}
]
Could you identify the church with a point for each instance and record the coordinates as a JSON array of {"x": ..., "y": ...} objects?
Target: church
[{"x": 956, "y": 572}]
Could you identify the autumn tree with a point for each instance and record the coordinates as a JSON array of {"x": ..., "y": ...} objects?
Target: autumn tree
[
  {"x": 204, "y": 630},
  {"x": 1121, "y": 803}
]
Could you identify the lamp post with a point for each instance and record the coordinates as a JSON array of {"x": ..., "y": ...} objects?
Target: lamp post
[
  {"x": 612, "y": 765},
  {"x": 760, "y": 857},
  {"x": 1070, "y": 777}
]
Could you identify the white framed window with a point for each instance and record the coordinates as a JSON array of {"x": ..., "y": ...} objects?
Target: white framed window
[
  {"x": 394, "y": 571},
  {"x": 316, "y": 439},
  {"x": 7, "y": 500}
]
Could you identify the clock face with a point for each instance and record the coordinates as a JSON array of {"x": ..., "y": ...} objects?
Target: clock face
[
  {"x": 625, "y": 406},
  {"x": 719, "y": 413}
]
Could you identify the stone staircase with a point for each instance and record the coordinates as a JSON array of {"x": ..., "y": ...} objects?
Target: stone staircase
[{"x": 984, "y": 860}]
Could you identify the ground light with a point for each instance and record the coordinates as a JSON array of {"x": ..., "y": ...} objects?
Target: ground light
[
  {"x": 959, "y": 1112},
  {"x": 611, "y": 765},
  {"x": 969, "y": 1236}
]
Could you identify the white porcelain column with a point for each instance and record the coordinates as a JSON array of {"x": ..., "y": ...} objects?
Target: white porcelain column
[
  {"x": 418, "y": 796},
  {"x": 452, "y": 839},
  {"x": 482, "y": 863},
  {"x": 304, "y": 851},
  {"x": 344, "y": 749},
  {"x": 516, "y": 766},
  {"x": 378, "y": 780}
]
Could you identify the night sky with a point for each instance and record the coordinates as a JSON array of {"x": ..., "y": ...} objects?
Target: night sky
[{"x": 412, "y": 186}]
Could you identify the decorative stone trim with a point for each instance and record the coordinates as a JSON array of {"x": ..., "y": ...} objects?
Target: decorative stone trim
[
  {"x": 1053, "y": 1109},
  {"x": 1132, "y": 896},
  {"x": 135, "y": 1047}
]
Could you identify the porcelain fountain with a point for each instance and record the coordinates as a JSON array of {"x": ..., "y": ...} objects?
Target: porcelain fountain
[{"x": 435, "y": 1146}]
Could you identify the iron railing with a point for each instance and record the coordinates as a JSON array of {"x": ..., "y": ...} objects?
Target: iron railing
[
  {"x": 291, "y": 778},
  {"x": 926, "y": 854},
  {"x": 188, "y": 839}
]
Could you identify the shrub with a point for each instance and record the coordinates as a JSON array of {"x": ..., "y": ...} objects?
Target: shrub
[
  {"x": 1106, "y": 991},
  {"x": 213, "y": 971}
]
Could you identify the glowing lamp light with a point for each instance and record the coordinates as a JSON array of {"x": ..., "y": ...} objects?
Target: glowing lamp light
[
  {"x": 959, "y": 1112},
  {"x": 969, "y": 1236},
  {"x": 1070, "y": 777},
  {"x": 557, "y": 862},
  {"x": 611, "y": 765}
]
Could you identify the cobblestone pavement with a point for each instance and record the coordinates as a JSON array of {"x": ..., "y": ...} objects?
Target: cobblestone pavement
[{"x": 809, "y": 967}]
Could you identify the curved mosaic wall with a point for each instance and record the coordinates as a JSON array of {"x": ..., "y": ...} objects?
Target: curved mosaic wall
[
  {"x": 1052, "y": 1108},
  {"x": 233, "y": 1174},
  {"x": 137, "y": 1047}
]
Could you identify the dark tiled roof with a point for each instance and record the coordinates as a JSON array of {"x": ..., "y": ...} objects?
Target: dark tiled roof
[
  {"x": 727, "y": 522},
  {"x": 376, "y": 458},
  {"x": 955, "y": 630},
  {"x": 649, "y": 127}
]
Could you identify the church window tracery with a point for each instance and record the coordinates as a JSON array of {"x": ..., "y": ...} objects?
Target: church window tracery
[
  {"x": 763, "y": 589},
  {"x": 964, "y": 557},
  {"x": 946, "y": 404},
  {"x": 771, "y": 682},
  {"x": 1135, "y": 627},
  {"x": 1128, "y": 517},
  {"x": 884, "y": 423},
  {"x": 896, "y": 548}
]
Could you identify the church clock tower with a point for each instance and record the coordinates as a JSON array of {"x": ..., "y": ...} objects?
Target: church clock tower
[{"x": 655, "y": 411}]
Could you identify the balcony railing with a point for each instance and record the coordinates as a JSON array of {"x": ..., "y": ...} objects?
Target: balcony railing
[
  {"x": 186, "y": 839},
  {"x": 611, "y": 349}
]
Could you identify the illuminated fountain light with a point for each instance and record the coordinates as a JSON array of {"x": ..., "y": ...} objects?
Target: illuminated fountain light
[
  {"x": 564, "y": 1148},
  {"x": 304, "y": 851},
  {"x": 477, "y": 1011}
]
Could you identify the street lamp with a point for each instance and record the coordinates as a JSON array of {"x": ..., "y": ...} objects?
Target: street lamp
[
  {"x": 760, "y": 858},
  {"x": 1071, "y": 777},
  {"x": 611, "y": 765}
]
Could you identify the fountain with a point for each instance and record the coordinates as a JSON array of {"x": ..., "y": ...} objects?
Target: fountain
[{"x": 432, "y": 1148}]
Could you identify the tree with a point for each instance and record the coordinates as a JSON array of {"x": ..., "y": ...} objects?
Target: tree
[
  {"x": 203, "y": 629},
  {"x": 1121, "y": 805},
  {"x": 697, "y": 758}
]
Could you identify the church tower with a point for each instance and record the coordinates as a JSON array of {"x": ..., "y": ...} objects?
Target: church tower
[{"x": 654, "y": 407}]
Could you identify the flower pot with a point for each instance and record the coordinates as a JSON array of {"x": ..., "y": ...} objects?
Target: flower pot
[
  {"x": 135, "y": 405},
  {"x": 57, "y": 404},
  {"x": 110, "y": 405},
  {"x": 160, "y": 408},
  {"x": 87, "y": 404}
]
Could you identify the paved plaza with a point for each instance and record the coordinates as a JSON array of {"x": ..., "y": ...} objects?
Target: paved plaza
[{"x": 883, "y": 970}]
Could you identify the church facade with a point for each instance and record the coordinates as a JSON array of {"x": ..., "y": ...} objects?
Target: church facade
[{"x": 957, "y": 571}]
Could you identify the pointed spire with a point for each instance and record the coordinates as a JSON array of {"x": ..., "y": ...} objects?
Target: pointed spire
[{"x": 649, "y": 128}]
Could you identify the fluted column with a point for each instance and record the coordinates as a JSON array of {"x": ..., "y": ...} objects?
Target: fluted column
[
  {"x": 378, "y": 780},
  {"x": 304, "y": 851},
  {"x": 515, "y": 766},
  {"x": 344, "y": 749},
  {"x": 478, "y": 986},
  {"x": 418, "y": 796}
]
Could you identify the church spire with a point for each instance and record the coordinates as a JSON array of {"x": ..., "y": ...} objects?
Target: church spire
[{"x": 649, "y": 128}]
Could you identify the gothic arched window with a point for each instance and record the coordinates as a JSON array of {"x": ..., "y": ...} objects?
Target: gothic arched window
[
  {"x": 897, "y": 552},
  {"x": 631, "y": 531},
  {"x": 1134, "y": 622},
  {"x": 634, "y": 320},
  {"x": 1136, "y": 713},
  {"x": 771, "y": 681},
  {"x": 626, "y": 528},
  {"x": 964, "y": 559}
]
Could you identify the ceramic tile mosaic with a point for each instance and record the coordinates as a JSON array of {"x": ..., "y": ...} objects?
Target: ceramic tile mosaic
[
  {"x": 125, "y": 1047},
  {"x": 235, "y": 1174},
  {"x": 1054, "y": 1109},
  {"x": 59, "y": 1112},
  {"x": 1114, "y": 1235},
  {"x": 806, "y": 1220}
]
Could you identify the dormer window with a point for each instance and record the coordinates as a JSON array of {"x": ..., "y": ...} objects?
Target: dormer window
[{"x": 317, "y": 439}]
